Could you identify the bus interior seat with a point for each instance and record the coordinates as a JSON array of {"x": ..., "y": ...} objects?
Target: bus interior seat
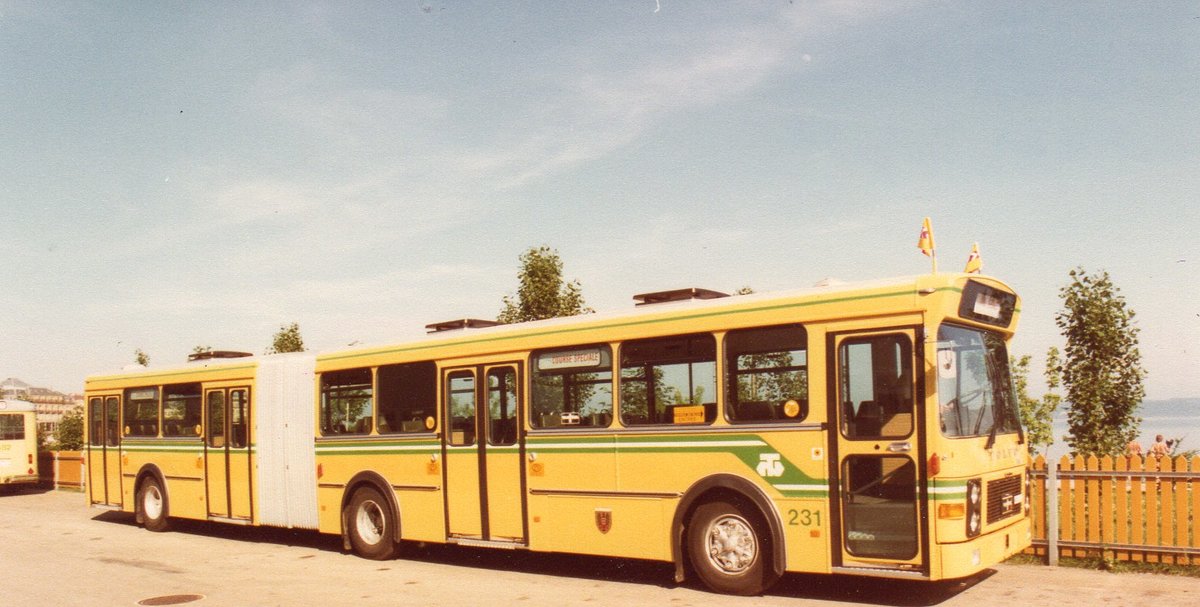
[
  {"x": 867, "y": 420},
  {"x": 755, "y": 410},
  {"x": 897, "y": 424},
  {"x": 504, "y": 431},
  {"x": 634, "y": 419}
]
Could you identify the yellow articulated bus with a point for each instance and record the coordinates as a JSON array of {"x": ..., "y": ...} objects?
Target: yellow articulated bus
[
  {"x": 866, "y": 429},
  {"x": 18, "y": 443}
]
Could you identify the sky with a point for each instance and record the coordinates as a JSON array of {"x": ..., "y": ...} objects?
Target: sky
[{"x": 176, "y": 174}]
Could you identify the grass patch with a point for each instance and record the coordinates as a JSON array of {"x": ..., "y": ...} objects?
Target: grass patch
[{"x": 1110, "y": 564}]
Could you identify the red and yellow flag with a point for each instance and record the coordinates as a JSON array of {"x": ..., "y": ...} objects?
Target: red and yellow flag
[
  {"x": 974, "y": 261},
  {"x": 925, "y": 242}
]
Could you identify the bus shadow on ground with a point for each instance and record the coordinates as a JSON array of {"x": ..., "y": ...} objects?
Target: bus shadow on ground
[
  {"x": 840, "y": 588},
  {"x": 238, "y": 533},
  {"x": 14, "y": 490},
  {"x": 874, "y": 591}
]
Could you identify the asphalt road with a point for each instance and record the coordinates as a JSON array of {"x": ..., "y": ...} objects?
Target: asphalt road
[{"x": 54, "y": 550}]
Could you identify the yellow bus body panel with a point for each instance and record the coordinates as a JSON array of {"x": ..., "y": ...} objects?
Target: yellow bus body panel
[{"x": 616, "y": 491}]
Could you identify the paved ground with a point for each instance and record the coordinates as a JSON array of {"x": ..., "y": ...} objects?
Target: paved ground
[{"x": 54, "y": 550}]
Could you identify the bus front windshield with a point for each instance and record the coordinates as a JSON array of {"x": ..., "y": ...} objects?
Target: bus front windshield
[{"x": 975, "y": 389}]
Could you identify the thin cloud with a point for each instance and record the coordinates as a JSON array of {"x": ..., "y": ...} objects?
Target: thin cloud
[{"x": 603, "y": 112}]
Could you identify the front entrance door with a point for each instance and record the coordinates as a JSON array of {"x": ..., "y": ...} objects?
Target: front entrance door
[
  {"x": 876, "y": 476},
  {"x": 484, "y": 476},
  {"x": 104, "y": 450},
  {"x": 227, "y": 451}
]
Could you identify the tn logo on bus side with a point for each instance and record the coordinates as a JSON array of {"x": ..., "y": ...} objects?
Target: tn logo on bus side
[{"x": 769, "y": 465}]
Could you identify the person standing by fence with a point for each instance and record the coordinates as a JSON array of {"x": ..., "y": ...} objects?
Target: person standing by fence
[
  {"x": 1133, "y": 449},
  {"x": 1160, "y": 448}
]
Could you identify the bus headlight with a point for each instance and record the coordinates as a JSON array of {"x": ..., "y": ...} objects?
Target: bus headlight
[
  {"x": 1028, "y": 491},
  {"x": 974, "y": 507}
]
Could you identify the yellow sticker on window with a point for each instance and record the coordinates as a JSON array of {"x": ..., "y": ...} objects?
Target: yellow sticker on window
[
  {"x": 689, "y": 415},
  {"x": 791, "y": 408}
]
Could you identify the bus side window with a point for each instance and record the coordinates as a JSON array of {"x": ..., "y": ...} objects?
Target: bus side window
[
  {"x": 669, "y": 380},
  {"x": 572, "y": 388},
  {"x": 407, "y": 397},
  {"x": 766, "y": 374},
  {"x": 96, "y": 422},
  {"x": 876, "y": 385},
  {"x": 346, "y": 399},
  {"x": 181, "y": 410}
]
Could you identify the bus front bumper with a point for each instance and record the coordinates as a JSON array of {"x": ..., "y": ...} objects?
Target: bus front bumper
[{"x": 967, "y": 558}]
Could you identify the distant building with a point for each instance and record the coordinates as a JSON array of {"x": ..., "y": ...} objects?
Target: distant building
[{"x": 51, "y": 405}]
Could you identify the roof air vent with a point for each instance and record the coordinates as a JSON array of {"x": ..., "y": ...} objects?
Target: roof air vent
[
  {"x": 461, "y": 323},
  {"x": 211, "y": 354},
  {"x": 645, "y": 299}
]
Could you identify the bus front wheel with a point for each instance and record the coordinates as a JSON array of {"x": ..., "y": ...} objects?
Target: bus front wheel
[
  {"x": 152, "y": 501},
  {"x": 728, "y": 548},
  {"x": 369, "y": 523}
]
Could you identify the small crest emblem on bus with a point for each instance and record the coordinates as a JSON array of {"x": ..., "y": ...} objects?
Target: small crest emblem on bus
[{"x": 603, "y": 519}]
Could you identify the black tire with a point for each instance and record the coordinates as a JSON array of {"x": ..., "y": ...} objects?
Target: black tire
[
  {"x": 369, "y": 523},
  {"x": 729, "y": 548},
  {"x": 152, "y": 505}
]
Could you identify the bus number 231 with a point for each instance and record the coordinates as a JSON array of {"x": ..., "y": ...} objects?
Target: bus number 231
[{"x": 804, "y": 518}]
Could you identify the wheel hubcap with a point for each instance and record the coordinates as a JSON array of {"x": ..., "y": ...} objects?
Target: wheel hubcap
[
  {"x": 732, "y": 545},
  {"x": 152, "y": 503},
  {"x": 369, "y": 522}
]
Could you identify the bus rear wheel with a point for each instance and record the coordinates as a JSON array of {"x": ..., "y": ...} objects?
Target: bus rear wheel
[
  {"x": 728, "y": 548},
  {"x": 369, "y": 523},
  {"x": 152, "y": 502}
]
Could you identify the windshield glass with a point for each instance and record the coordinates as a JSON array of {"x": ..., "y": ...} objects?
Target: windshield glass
[{"x": 974, "y": 386}]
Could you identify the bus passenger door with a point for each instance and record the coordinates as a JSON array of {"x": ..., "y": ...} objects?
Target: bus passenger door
[
  {"x": 878, "y": 508},
  {"x": 104, "y": 450},
  {"x": 228, "y": 462},
  {"x": 484, "y": 484}
]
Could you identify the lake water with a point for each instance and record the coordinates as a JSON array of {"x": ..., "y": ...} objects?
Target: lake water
[{"x": 1174, "y": 419}]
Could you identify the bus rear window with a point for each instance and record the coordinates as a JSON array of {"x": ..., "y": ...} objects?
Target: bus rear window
[{"x": 12, "y": 426}]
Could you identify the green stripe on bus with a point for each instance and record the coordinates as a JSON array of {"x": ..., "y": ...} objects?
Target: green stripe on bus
[
  {"x": 946, "y": 491},
  {"x": 756, "y": 453}
]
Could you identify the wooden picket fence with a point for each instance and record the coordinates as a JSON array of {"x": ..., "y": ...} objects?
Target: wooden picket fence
[
  {"x": 61, "y": 469},
  {"x": 1124, "y": 508}
]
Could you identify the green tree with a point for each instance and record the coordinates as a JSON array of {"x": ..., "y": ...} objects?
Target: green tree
[
  {"x": 141, "y": 358},
  {"x": 287, "y": 339},
  {"x": 1037, "y": 415},
  {"x": 1102, "y": 368},
  {"x": 542, "y": 293},
  {"x": 69, "y": 434}
]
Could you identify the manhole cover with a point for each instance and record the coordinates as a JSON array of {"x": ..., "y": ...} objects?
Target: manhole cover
[{"x": 171, "y": 599}]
